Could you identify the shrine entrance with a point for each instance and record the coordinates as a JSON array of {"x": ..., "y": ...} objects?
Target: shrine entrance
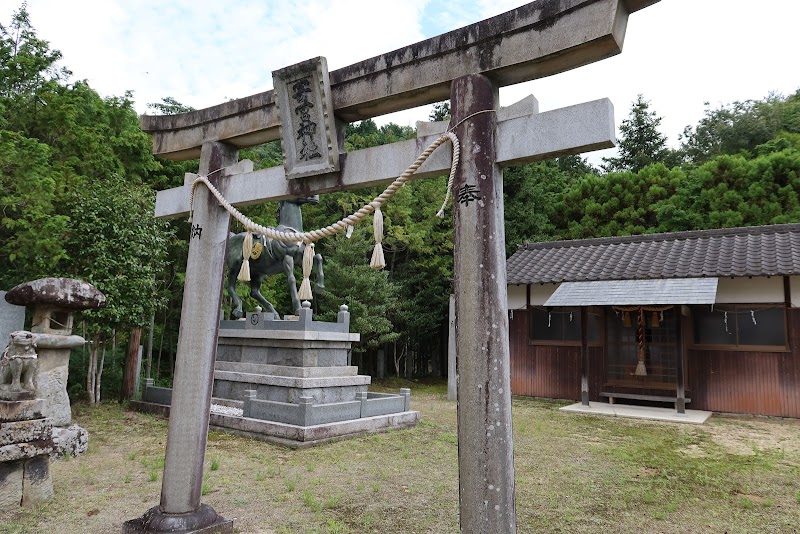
[{"x": 642, "y": 351}]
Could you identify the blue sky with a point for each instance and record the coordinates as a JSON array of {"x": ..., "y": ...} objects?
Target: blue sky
[{"x": 678, "y": 53}]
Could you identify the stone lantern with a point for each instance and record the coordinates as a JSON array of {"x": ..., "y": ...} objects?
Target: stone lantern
[
  {"x": 33, "y": 389},
  {"x": 55, "y": 300}
]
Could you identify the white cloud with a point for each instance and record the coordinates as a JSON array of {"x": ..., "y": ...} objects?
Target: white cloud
[{"x": 202, "y": 53}]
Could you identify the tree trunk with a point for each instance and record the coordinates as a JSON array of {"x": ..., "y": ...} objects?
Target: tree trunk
[
  {"x": 92, "y": 369},
  {"x": 171, "y": 358},
  {"x": 161, "y": 343},
  {"x": 160, "y": 349},
  {"x": 131, "y": 360},
  {"x": 83, "y": 348},
  {"x": 99, "y": 375},
  {"x": 150, "y": 343},
  {"x": 409, "y": 362},
  {"x": 113, "y": 348}
]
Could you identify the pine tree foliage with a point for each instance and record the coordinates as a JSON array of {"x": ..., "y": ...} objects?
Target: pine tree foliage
[{"x": 641, "y": 143}]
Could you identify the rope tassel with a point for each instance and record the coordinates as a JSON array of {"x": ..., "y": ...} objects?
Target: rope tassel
[
  {"x": 377, "y": 253},
  {"x": 308, "y": 260},
  {"x": 247, "y": 249},
  {"x": 641, "y": 369}
]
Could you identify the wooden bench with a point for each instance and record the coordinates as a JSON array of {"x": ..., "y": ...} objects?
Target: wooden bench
[{"x": 635, "y": 396}]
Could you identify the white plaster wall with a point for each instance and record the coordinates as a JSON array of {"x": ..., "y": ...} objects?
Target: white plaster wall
[
  {"x": 794, "y": 290},
  {"x": 516, "y": 297},
  {"x": 540, "y": 293},
  {"x": 750, "y": 290}
]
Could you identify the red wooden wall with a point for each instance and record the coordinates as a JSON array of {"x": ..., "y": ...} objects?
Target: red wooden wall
[
  {"x": 550, "y": 371},
  {"x": 763, "y": 383}
]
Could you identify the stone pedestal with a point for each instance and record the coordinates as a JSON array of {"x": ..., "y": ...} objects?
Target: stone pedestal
[
  {"x": 204, "y": 520},
  {"x": 287, "y": 361},
  {"x": 288, "y": 382},
  {"x": 51, "y": 383},
  {"x": 25, "y": 447}
]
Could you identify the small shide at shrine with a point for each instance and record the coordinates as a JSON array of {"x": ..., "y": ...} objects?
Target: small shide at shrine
[{"x": 702, "y": 319}]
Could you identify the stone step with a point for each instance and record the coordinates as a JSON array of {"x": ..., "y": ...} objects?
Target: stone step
[
  {"x": 302, "y": 335},
  {"x": 286, "y": 370},
  {"x": 292, "y": 382}
]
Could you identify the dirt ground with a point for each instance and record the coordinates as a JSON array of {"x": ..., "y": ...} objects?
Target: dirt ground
[{"x": 574, "y": 473}]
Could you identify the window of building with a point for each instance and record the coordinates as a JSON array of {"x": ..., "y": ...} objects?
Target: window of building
[
  {"x": 563, "y": 326},
  {"x": 740, "y": 326}
]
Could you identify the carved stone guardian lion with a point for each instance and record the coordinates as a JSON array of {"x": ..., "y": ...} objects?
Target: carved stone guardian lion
[{"x": 19, "y": 364}]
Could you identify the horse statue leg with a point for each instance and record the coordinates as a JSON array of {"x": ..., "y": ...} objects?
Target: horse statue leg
[
  {"x": 288, "y": 269},
  {"x": 255, "y": 292},
  {"x": 320, "y": 281},
  {"x": 233, "y": 273}
]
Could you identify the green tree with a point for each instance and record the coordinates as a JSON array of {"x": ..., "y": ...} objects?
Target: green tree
[
  {"x": 440, "y": 111},
  {"x": 26, "y": 66},
  {"x": 117, "y": 245},
  {"x": 75, "y": 171},
  {"x": 641, "y": 144},
  {"x": 531, "y": 193},
  {"x": 31, "y": 233},
  {"x": 370, "y": 295},
  {"x": 740, "y": 127},
  {"x": 366, "y": 133},
  {"x": 732, "y": 190},
  {"x": 169, "y": 106}
]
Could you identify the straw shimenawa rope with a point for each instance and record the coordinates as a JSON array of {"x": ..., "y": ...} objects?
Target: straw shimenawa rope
[{"x": 290, "y": 236}]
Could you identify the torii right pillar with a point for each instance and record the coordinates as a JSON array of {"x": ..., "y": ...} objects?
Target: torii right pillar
[{"x": 485, "y": 440}]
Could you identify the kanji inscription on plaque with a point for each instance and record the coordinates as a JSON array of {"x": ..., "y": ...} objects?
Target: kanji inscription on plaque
[{"x": 305, "y": 104}]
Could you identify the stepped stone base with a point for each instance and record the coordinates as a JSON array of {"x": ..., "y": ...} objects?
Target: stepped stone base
[
  {"x": 291, "y": 383},
  {"x": 294, "y": 436}
]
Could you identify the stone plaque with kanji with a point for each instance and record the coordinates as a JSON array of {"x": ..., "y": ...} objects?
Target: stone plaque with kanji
[{"x": 305, "y": 104}]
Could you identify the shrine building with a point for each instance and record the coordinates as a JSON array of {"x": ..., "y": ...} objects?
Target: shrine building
[{"x": 707, "y": 320}]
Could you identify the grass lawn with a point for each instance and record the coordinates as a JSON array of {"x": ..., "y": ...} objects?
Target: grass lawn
[{"x": 574, "y": 473}]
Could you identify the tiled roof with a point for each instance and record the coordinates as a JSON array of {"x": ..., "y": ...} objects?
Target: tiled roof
[{"x": 753, "y": 251}]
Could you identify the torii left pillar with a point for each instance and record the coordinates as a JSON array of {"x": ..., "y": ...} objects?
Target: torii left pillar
[{"x": 180, "y": 509}]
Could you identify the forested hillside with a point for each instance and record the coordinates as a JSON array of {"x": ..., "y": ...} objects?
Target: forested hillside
[
  {"x": 78, "y": 182},
  {"x": 739, "y": 166}
]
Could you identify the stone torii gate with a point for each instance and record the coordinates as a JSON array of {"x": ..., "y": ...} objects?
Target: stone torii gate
[{"x": 467, "y": 66}]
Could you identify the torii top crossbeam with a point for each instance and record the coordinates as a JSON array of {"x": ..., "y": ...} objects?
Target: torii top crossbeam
[{"x": 535, "y": 40}]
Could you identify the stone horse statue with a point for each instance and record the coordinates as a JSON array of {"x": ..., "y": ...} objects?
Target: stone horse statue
[{"x": 270, "y": 256}]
